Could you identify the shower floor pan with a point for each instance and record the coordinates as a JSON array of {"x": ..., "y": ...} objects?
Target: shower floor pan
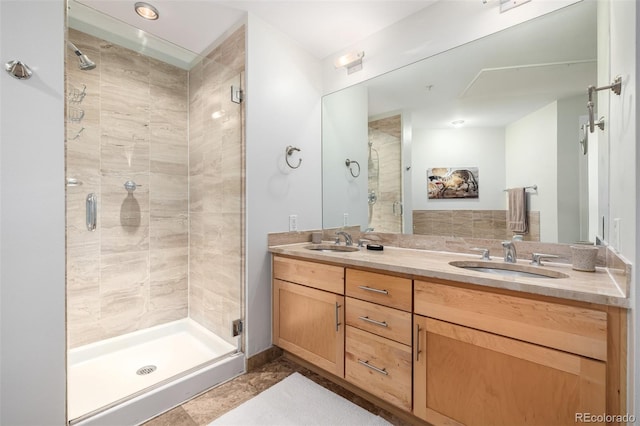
[{"x": 103, "y": 375}]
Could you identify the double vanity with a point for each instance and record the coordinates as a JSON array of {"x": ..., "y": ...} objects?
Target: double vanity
[{"x": 450, "y": 338}]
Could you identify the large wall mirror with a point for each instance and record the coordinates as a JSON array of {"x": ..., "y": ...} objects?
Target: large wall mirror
[{"x": 504, "y": 111}]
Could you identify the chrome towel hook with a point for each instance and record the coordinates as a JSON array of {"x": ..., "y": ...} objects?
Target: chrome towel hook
[
  {"x": 349, "y": 163},
  {"x": 616, "y": 87},
  {"x": 289, "y": 150}
]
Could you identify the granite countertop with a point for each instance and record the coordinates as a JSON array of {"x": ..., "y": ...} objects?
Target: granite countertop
[{"x": 595, "y": 287}]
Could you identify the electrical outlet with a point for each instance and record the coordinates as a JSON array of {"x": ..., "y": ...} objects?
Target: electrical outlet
[
  {"x": 293, "y": 222},
  {"x": 345, "y": 219}
]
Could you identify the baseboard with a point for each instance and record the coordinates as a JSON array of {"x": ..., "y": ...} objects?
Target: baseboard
[{"x": 258, "y": 360}]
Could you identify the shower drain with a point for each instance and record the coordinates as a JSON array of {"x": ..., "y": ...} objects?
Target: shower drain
[{"x": 147, "y": 369}]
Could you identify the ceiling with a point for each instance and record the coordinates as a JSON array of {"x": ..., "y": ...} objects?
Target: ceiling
[{"x": 321, "y": 27}]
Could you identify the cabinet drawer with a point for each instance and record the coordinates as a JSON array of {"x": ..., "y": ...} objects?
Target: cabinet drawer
[
  {"x": 312, "y": 274},
  {"x": 382, "y": 289},
  {"x": 381, "y": 320},
  {"x": 573, "y": 329},
  {"x": 380, "y": 366}
]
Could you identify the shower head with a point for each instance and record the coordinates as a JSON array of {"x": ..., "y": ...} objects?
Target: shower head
[{"x": 85, "y": 63}]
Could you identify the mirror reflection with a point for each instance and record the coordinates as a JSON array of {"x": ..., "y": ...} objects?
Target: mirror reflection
[{"x": 505, "y": 111}]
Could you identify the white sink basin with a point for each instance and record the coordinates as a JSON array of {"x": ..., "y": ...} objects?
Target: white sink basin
[
  {"x": 508, "y": 269},
  {"x": 331, "y": 248}
]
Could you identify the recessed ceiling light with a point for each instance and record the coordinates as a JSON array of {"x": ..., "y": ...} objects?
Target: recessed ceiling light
[{"x": 146, "y": 11}]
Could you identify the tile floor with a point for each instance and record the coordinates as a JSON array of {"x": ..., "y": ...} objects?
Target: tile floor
[{"x": 203, "y": 409}]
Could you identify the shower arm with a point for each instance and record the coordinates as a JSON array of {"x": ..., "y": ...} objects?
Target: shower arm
[{"x": 615, "y": 88}]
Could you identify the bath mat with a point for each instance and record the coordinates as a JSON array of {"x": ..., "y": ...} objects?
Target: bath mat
[{"x": 297, "y": 401}]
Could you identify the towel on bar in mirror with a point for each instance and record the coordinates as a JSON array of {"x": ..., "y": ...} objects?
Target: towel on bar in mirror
[{"x": 517, "y": 213}]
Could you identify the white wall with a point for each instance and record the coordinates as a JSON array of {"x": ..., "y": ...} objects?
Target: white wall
[
  {"x": 32, "y": 223},
  {"x": 283, "y": 108},
  {"x": 345, "y": 134},
  {"x": 569, "y": 157},
  {"x": 531, "y": 151},
  {"x": 623, "y": 174},
  {"x": 482, "y": 148}
]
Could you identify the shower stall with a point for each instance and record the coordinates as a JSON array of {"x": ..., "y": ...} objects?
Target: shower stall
[{"x": 155, "y": 221}]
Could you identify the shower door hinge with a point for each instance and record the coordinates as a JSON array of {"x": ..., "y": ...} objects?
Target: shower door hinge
[
  {"x": 236, "y": 327},
  {"x": 237, "y": 94}
]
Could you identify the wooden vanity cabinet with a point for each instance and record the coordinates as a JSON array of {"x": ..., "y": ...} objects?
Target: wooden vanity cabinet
[
  {"x": 451, "y": 353},
  {"x": 308, "y": 311},
  {"x": 490, "y": 358},
  {"x": 378, "y": 335}
]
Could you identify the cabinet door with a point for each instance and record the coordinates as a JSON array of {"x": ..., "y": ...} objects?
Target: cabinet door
[
  {"x": 309, "y": 323},
  {"x": 473, "y": 377}
]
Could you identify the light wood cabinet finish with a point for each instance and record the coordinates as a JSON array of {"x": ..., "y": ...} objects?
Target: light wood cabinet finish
[
  {"x": 309, "y": 323},
  {"x": 312, "y": 274},
  {"x": 478, "y": 378},
  {"x": 380, "y": 366},
  {"x": 452, "y": 353},
  {"x": 387, "y": 322},
  {"x": 383, "y": 289},
  {"x": 573, "y": 329}
]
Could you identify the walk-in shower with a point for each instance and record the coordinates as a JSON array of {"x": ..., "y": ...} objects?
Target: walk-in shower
[{"x": 155, "y": 228}]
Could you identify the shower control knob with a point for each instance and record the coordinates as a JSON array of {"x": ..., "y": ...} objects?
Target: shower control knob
[{"x": 130, "y": 186}]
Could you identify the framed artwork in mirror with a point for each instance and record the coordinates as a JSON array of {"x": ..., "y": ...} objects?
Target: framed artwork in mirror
[{"x": 452, "y": 182}]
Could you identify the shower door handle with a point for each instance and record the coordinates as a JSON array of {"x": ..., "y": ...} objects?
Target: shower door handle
[{"x": 91, "y": 206}]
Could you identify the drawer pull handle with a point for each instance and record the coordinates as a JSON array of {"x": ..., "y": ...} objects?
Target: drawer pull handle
[
  {"x": 338, "y": 323},
  {"x": 373, "y": 367},
  {"x": 372, "y": 321},
  {"x": 375, "y": 290}
]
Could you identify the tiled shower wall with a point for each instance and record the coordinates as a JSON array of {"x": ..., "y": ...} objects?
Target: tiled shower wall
[
  {"x": 132, "y": 272},
  {"x": 385, "y": 174}
]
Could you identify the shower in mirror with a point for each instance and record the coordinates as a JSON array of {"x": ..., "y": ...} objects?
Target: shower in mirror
[
  {"x": 154, "y": 287},
  {"x": 384, "y": 192}
]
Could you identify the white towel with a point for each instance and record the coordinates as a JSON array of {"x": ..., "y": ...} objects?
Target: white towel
[{"x": 517, "y": 213}]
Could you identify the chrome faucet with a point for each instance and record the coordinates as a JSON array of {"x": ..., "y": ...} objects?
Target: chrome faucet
[
  {"x": 347, "y": 238},
  {"x": 536, "y": 258},
  {"x": 485, "y": 253},
  {"x": 509, "y": 251}
]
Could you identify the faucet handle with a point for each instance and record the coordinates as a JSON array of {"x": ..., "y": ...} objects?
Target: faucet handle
[
  {"x": 362, "y": 242},
  {"x": 485, "y": 252},
  {"x": 536, "y": 258}
]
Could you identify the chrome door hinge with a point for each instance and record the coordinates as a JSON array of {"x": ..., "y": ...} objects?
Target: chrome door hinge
[
  {"x": 237, "y": 95},
  {"x": 237, "y": 327}
]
